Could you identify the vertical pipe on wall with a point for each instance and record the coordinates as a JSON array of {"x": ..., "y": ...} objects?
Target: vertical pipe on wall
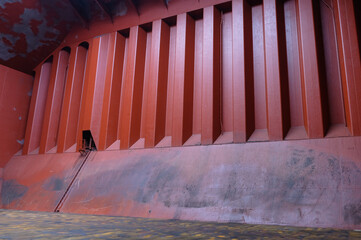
[
  {"x": 211, "y": 122},
  {"x": 276, "y": 70},
  {"x": 349, "y": 52},
  {"x": 72, "y": 98},
  {"x": 243, "y": 104},
  {"x": 37, "y": 107},
  {"x": 131, "y": 104},
  {"x": 157, "y": 89},
  {"x": 310, "y": 70},
  {"x": 183, "y": 81},
  {"x": 112, "y": 90},
  {"x": 54, "y": 102}
]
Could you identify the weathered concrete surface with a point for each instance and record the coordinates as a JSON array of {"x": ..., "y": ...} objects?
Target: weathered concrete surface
[
  {"x": 301, "y": 183},
  {"x": 37, "y": 182}
]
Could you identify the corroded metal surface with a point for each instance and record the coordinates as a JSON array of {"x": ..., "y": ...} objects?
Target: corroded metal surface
[{"x": 34, "y": 225}]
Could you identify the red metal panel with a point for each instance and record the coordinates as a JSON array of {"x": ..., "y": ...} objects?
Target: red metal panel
[
  {"x": 150, "y": 10},
  {"x": 37, "y": 108},
  {"x": 259, "y": 75},
  {"x": 72, "y": 98},
  {"x": 211, "y": 126},
  {"x": 146, "y": 85},
  {"x": 157, "y": 88},
  {"x": 112, "y": 90},
  {"x": 243, "y": 99},
  {"x": 88, "y": 90},
  {"x": 183, "y": 81},
  {"x": 122, "y": 87},
  {"x": 49, "y": 101},
  {"x": 92, "y": 99},
  {"x": 198, "y": 76},
  {"x": 293, "y": 64},
  {"x": 310, "y": 76},
  {"x": 15, "y": 94},
  {"x": 98, "y": 92},
  {"x": 54, "y": 102},
  {"x": 133, "y": 89},
  {"x": 349, "y": 52},
  {"x": 226, "y": 82},
  {"x": 336, "y": 111},
  {"x": 171, "y": 69},
  {"x": 277, "y": 119}
]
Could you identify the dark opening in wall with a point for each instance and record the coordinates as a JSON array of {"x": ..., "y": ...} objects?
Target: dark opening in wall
[
  {"x": 49, "y": 60},
  {"x": 147, "y": 26},
  {"x": 66, "y": 49},
  {"x": 88, "y": 142},
  {"x": 84, "y": 45},
  {"x": 171, "y": 21},
  {"x": 225, "y": 7},
  {"x": 254, "y": 2},
  {"x": 124, "y": 32},
  {"x": 196, "y": 14}
]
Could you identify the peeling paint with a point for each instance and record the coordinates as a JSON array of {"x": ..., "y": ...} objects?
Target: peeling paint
[
  {"x": 30, "y": 30},
  {"x": 6, "y": 51},
  {"x": 3, "y": 2},
  {"x": 20, "y": 118},
  {"x": 35, "y": 40},
  {"x": 21, "y": 142}
]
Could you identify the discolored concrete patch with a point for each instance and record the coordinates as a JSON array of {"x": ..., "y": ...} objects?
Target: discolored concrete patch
[
  {"x": 11, "y": 191},
  {"x": 54, "y": 184}
]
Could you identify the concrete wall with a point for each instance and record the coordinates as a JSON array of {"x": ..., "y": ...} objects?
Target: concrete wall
[{"x": 301, "y": 183}]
